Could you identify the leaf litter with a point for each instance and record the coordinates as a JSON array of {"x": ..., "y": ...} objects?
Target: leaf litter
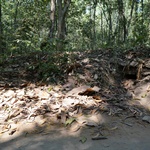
[{"x": 91, "y": 86}]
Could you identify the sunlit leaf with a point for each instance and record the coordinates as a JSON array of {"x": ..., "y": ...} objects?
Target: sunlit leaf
[{"x": 69, "y": 121}]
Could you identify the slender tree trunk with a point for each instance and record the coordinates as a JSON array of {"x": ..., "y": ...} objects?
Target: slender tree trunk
[
  {"x": 142, "y": 12},
  {"x": 16, "y": 13},
  {"x": 90, "y": 29},
  {"x": 63, "y": 6},
  {"x": 94, "y": 26},
  {"x": 122, "y": 19},
  {"x": 52, "y": 18},
  {"x": 110, "y": 26},
  {"x": 102, "y": 31},
  {"x": 131, "y": 14},
  {"x": 136, "y": 11},
  {"x": 109, "y": 19},
  {"x": 15, "y": 16},
  {"x": 1, "y": 30}
]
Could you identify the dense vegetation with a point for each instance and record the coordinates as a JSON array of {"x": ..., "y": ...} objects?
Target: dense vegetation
[{"x": 47, "y": 25}]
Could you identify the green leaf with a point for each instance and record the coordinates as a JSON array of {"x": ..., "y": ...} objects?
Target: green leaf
[
  {"x": 83, "y": 139},
  {"x": 69, "y": 121}
]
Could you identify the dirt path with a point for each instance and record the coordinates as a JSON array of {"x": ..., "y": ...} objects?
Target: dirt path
[{"x": 122, "y": 136}]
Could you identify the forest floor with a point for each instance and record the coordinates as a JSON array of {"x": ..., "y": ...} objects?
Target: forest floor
[{"x": 89, "y": 100}]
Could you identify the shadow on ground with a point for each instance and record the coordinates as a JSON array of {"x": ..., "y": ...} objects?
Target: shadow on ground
[{"x": 123, "y": 137}]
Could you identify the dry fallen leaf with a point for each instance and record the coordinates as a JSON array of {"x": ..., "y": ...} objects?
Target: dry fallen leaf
[
  {"x": 14, "y": 114},
  {"x": 55, "y": 106},
  {"x": 91, "y": 124},
  {"x": 75, "y": 127},
  {"x": 90, "y": 91},
  {"x": 5, "y": 128},
  {"x": 67, "y": 102},
  {"x": 9, "y": 93},
  {"x": 12, "y": 131},
  {"x": 77, "y": 90},
  {"x": 42, "y": 94}
]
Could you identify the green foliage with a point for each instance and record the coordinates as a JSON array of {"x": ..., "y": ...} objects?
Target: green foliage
[
  {"x": 48, "y": 70},
  {"x": 47, "y": 44},
  {"x": 89, "y": 24},
  {"x": 23, "y": 25},
  {"x": 48, "y": 66},
  {"x": 140, "y": 33}
]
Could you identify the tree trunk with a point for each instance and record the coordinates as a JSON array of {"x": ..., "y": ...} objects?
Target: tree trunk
[
  {"x": 142, "y": 12},
  {"x": 15, "y": 16},
  {"x": 62, "y": 12},
  {"x": 52, "y": 18},
  {"x": 102, "y": 30},
  {"x": 131, "y": 14},
  {"x": 1, "y": 30},
  {"x": 122, "y": 19},
  {"x": 109, "y": 9},
  {"x": 94, "y": 26},
  {"x": 108, "y": 19}
]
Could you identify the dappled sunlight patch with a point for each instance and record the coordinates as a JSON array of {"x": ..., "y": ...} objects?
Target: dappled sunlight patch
[
  {"x": 146, "y": 103},
  {"x": 20, "y": 128},
  {"x": 141, "y": 96},
  {"x": 91, "y": 120},
  {"x": 38, "y": 110}
]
